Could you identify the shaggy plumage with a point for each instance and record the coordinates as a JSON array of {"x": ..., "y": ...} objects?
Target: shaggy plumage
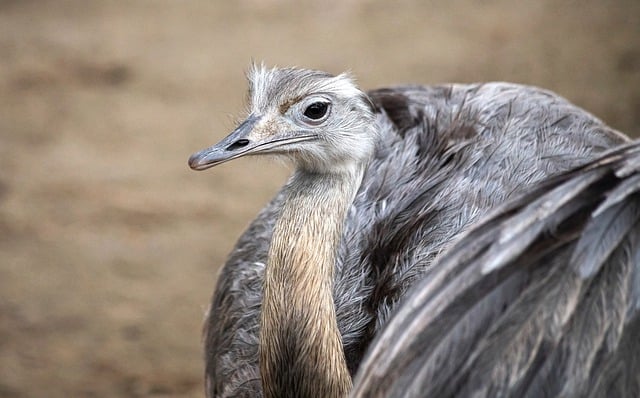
[
  {"x": 541, "y": 299},
  {"x": 442, "y": 158}
]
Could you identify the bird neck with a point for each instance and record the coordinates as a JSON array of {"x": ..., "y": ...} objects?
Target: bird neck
[{"x": 301, "y": 352}]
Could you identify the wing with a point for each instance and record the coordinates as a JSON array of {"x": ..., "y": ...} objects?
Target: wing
[
  {"x": 452, "y": 154},
  {"x": 542, "y": 298}
]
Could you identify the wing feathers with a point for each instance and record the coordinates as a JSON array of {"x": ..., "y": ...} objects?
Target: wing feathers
[
  {"x": 536, "y": 300},
  {"x": 602, "y": 235}
]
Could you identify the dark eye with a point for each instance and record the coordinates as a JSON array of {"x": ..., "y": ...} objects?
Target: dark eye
[{"x": 317, "y": 110}]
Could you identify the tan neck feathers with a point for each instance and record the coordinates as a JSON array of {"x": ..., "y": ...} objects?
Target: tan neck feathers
[{"x": 301, "y": 350}]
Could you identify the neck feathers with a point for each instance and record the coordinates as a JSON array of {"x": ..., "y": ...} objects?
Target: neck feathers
[{"x": 301, "y": 352}]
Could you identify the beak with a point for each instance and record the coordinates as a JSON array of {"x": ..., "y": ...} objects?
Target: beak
[
  {"x": 241, "y": 142},
  {"x": 232, "y": 146}
]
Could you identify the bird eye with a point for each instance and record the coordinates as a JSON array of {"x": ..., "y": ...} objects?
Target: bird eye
[{"x": 317, "y": 110}]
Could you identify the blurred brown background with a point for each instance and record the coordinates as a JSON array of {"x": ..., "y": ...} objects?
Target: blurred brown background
[{"x": 110, "y": 245}]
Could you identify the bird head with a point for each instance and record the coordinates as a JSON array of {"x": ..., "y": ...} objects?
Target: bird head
[{"x": 320, "y": 122}]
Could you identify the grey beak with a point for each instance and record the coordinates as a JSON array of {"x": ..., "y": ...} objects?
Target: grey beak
[{"x": 233, "y": 146}]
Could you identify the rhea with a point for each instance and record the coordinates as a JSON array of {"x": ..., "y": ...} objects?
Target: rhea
[{"x": 384, "y": 183}]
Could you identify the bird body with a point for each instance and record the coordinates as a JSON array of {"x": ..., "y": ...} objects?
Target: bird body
[{"x": 420, "y": 166}]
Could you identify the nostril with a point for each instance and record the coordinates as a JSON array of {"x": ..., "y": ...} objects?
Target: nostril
[{"x": 238, "y": 144}]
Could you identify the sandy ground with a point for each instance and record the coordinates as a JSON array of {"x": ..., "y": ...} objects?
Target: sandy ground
[{"x": 110, "y": 245}]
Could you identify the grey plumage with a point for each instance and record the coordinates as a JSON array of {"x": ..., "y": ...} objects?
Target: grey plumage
[
  {"x": 557, "y": 315},
  {"x": 445, "y": 157}
]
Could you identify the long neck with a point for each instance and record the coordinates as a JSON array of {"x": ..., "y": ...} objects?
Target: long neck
[{"x": 301, "y": 352}]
